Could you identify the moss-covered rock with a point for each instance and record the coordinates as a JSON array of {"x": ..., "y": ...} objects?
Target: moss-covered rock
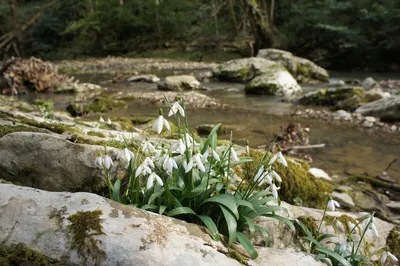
[
  {"x": 393, "y": 241},
  {"x": 83, "y": 227},
  {"x": 20, "y": 254},
  {"x": 331, "y": 96},
  {"x": 303, "y": 70},
  {"x": 298, "y": 186},
  {"x": 101, "y": 104},
  {"x": 6, "y": 129}
]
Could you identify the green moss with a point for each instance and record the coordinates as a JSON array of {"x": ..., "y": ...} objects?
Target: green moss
[
  {"x": 96, "y": 134},
  {"x": 124, "y": 123},
  {"x": 101, "y": 104},
  {"x": 54, "y": 127},
  {"x": 233, "y": 254},
  {"x": 298, "y": 186},
  {"x": 4, "y": 129},
  {"x": 310, "y": 224},
  {"x": 84, "y": 226},
  {"x": 393, "y": 241},
  {"x": 141, "y": 120},
  {"x": 330, "y": 97},
  {"x": 345, "y": 220},
  {"x": 20, "y": 254}
]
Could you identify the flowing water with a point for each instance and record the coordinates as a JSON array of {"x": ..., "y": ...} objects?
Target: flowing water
[{"x": 349, "y": 150}]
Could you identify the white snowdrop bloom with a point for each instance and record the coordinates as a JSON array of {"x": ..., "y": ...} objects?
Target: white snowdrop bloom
[
  {"x": 389, "y": 255},
  {"x": 259, "y": 173},
  {"x": 99, "y": 161},
  {"x": 179, "y": 147},
  {"x": 198, "y": 162},
  {"x": 187, "y": 165},
  {"x": 276, "y": 176},
  {"x": 150, "y": 180},
  {"x": 160, "y": 123},
  {"x": 147, "y": 146},
  {"x": 369, "y": 223},
  {"x": 169, "y": 165},
  {"x": 109, "y": 122},
  {"x": 274, "y": 191},
  {"x": 101, "y": 120},
  {"x": 234, "y": 155},
  {"x": 149, "y": 162},
  {"x": 142, "y": 170},
  {"x": 332, "y": 204},
  {"x": 175, "y": 108},
  {"x": 281, "y": 159},
  {"x": 107, "y": 161},
  {"x": 215, "y": 155},
  {"x": 267, "y": 178},
  {"x": 127, "y": 154}
]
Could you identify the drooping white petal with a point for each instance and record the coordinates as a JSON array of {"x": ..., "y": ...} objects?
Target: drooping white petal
[
  {"x": 188, "y": 166},
  {"x": 138, "y": 170},
  {"x": 276, "y": 176},
  {"x": 166, "y": 124},
  {"x": 282, "y": 159},
  {"x": 374, "y": 230},
  {"x": 199, "y": 163},
  {"x": 215, "y": 155},
  {"x": 101, "y": 119},
  {"x": 99, "y": 161},
  {"x": 109, "y": 121},
  {"x": 234, "y": 155},
  {"x": 331, "y": 205},
  {"x": 158, "y": 124},
  {"x": 268, "y": 178},
  {"x": 182, "y": 147},
  {"x": 158, "y": 179},
  {"x": 259, "y": 172},
  {"x": 149, "y": 162},
  {"x": 392, "y": 257},
  {"x": 180, "y": 109},
  {"x": 107, "y": 161},
  {"x": 150, "y": 181},
  {"x": 273, "y": 159},
  {"x": 204, "y": 156},
  {"x": 384, "y": 257},
  {"x": 274, "y": 191}
]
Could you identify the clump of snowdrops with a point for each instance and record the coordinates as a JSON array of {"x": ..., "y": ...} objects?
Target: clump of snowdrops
[
  {"x": 192, "y": 179},
  {"x": 348, "y": 252}
]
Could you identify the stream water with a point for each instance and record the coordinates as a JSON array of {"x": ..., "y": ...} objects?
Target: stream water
[{"x": 349, "y": 150}]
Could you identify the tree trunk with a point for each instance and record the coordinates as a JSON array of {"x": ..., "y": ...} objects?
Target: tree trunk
[{"x": 233, "y": 17}]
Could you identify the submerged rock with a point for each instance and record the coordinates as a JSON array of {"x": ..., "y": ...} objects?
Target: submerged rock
[
  {"x": 182, "y": 82},
  {"x": 387, "y": 109},
  {"x": 370, "y": 83},
  {"x": 78, "y": 87},
  {"x": 303, "y": 70},
  {"x": 50, "y": 162}
]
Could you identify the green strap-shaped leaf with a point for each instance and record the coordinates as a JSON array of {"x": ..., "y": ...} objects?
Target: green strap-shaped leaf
[
  {"x": 209, "y": 223},
  {"x": 162, "y": 209},
  {"x": 247, "y": 245},
  {"x": 304, "y": 228},
  {"x": 155, "y": 195},
  {"x": 263, "y": 210},
  {"x": 116, "y": 191},
  {"x": 252, "y": 228},
  {"x": 149, "y": 207},
  {"x": 264, "y": 233},
  {"x": 231, "y": 223},
  {"x": 226, "y": 200},
  {"x": 334, "y": 255},
  {"x": 325, "y": 236},
  {"x": 209, "y": 138},
  {"x": 320, "y": 256},
  {"x": 180, "y": 210},
  {"x": 245, "y": 203},
  {"x": 282, "y": 219}
]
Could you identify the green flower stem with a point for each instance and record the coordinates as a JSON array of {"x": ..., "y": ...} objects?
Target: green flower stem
[
  {"x": 323, "y": 216},
  {"x": 365, "y": 231}
]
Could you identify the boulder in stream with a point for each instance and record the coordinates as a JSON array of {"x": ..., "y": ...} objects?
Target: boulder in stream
[
  {"x": 387, "y": 109},
  {"x": 303, "y": 70},
  {"x": 181, "y": 82},
  {"x": 330, "y": 97}
]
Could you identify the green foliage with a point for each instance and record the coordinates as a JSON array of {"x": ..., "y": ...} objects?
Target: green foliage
[
  {"x": 20, "y": 254},
  {"x": 204, "y": 193}
]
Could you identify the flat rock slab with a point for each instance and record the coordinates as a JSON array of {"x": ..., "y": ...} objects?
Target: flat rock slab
[
  {"x": 131, "y": 236},
  {"x": 50, "y": 162}
]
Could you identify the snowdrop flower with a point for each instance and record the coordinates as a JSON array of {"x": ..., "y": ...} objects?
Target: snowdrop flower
[
  {"x": 160, "y": 123},
  {"x": 280, "y": 158},
  {"x": 187, "y": 165},
  {"x": 107, "y": 161},
  {"x": 147, "y": 146},
  {"x": 276, "y": 176},
  {"x": 215, "y": 154},
  {"x": 99, "y": 161},
  {"x": 274, "y": 191},
  {"x": 369, "y": 223},
  {"x": 149, "y": 162},
  {"x": 101, "y": 120},
  {"x": 389, "y": 255},
  {"x": 176, "y": 107},
  {"x": 259, "y": 173},
  {"x": 179, "y": 146},
  {"x": 332, "y": 204},
  {"x": 142, "y": 170},
  {"x": 109, "y": 122},
  {"x": 198, "y": 162},
  {"x": 126, "y": 153},
  {"x": 234, "y": 155},
  {"x": 150, "y": 180},
  {"x": 169, "y": 165}
]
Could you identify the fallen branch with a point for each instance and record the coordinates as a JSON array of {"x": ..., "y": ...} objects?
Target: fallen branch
[{"x": 304, "y": 147}]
